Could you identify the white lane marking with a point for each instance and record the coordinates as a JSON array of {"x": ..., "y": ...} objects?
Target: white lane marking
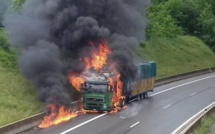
[
  {"x": 192, "y": 118},
  {"x": 75, "y": 127},
  {"x": 134, "y": 125},
  {"x": 167, "y": 106},
  {"x": 193, "y": 94},
  {"x": 181, "y": 85}
]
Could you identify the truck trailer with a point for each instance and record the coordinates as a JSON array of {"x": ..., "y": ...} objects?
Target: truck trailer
[{"x": 98, "y": 94}]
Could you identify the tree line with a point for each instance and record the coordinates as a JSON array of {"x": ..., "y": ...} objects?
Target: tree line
[{"x": 169, "y": 18}]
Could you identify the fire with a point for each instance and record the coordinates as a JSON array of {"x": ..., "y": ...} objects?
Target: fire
[
  {"x": 56, "y": 116},
  {"x": 117, "y": 96},
  {"x": 97, "y": 61},
  {"x": 98, "y": 58},
  {"x": 76, "y": 82}
]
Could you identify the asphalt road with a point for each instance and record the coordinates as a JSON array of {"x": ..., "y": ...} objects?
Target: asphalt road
[{"x": 165, "y": 110}]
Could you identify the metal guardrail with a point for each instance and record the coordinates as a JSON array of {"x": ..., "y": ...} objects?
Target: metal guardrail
[
  {"x": 189, "y": 126},
  {"x": 22, "y": 125},
  {"x": 33, "y": 121}
]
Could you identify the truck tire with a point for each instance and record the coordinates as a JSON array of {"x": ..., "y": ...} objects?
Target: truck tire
[
  {"x": 122, "y": 103},
  {"x": 127, "y": 100},
  {"x": 142, "y": 96},
  {"x": 146, "y": 95},
  {"x": 138, "y": 97}
]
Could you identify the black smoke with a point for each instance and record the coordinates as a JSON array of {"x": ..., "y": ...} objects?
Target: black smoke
[{"x": 52, "y": 36}]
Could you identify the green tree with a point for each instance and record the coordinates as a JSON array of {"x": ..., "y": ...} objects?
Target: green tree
[
  {"x": 161, "y": 24},
  {"x": 184, "y": 13},
  {"x": 206, "y": 26}
]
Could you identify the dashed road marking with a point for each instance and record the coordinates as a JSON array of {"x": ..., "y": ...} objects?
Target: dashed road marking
[
  {"x": 167, "y": 106},
  {"x": 134, "y": 125},
  {"x": 193, "y": 94}
]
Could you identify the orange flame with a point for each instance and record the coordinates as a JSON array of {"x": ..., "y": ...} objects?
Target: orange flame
[
  {"x": 96, "y": 61},
  {"x": 76, "y": 82},
  {"x": 117, "y": 96},
  {"x": 98, "y": 58},
  {"x": 56, "y": 116}
]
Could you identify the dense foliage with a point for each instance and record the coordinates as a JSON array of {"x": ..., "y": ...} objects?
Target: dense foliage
[{"x": 169, "y": 18}]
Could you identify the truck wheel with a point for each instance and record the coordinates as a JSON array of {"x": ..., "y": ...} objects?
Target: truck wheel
[
  {"x": 127, "y": 100},
  {"x": 142, "y": 96},
  {"x": 146, "y": 94},
  {"x": 123, "y": 103},
  {"x": 109, "y": 110},
  {"x": 138, "y": 97}
]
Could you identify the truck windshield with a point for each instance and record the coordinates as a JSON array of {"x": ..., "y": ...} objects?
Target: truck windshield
[{"x": 89, "y": 87}]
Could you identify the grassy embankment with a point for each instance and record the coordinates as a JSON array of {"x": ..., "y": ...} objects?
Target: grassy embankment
[
  {"x": 205, "y": 125},
  {"x": 17, "y": 97},
  {"x": 182, "y": 54},
  {"x": 178, "y": 55}
]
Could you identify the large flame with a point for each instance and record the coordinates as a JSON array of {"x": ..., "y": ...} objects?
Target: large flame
[
  {"x": 97, "y": 61},
  {"x": 98, "y": 58},
  {"x": 56, "y": 116}
]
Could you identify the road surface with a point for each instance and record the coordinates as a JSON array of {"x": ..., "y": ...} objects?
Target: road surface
[{"x": 165, "y": 110}]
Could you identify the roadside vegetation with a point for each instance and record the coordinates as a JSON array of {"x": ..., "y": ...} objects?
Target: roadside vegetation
[
  {"x": 177, "y": 55},
  {"x": 205, "y": 125},
  {"x": 180, "y": 38},
  {"x": 17, "y": 97}
]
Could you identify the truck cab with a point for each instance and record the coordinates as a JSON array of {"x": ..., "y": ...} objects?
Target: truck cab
[{"x": 97, "y": 95}]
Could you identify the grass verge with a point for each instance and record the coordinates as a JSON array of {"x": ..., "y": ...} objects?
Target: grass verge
[
  {"x": 17, "y": 97},
  {"x": 205, "y": 125}
]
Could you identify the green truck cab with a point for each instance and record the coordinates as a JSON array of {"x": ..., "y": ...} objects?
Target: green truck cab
[{"x": 97, "y": 95}]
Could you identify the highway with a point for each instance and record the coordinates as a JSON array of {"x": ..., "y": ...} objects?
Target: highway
[{"x": 165, "y": 110}]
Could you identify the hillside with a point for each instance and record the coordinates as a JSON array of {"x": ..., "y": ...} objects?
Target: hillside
[
  {"x": 17, "y": 97},
  {"x": 177, "y": 55}
]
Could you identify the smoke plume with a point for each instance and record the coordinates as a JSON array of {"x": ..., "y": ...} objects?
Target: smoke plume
[{"x": 52, "y": 35}]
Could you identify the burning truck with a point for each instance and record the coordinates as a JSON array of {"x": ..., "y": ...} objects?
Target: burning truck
[
  {"x": 102, "y": 92},
  {"x": 102, "y": 87}
]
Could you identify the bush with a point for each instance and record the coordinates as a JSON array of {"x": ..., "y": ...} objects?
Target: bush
[{"x": 3, "y": 41}]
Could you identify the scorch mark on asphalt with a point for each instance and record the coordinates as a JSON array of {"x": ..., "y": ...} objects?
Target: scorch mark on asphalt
[{"x": 97, "y": 117}]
